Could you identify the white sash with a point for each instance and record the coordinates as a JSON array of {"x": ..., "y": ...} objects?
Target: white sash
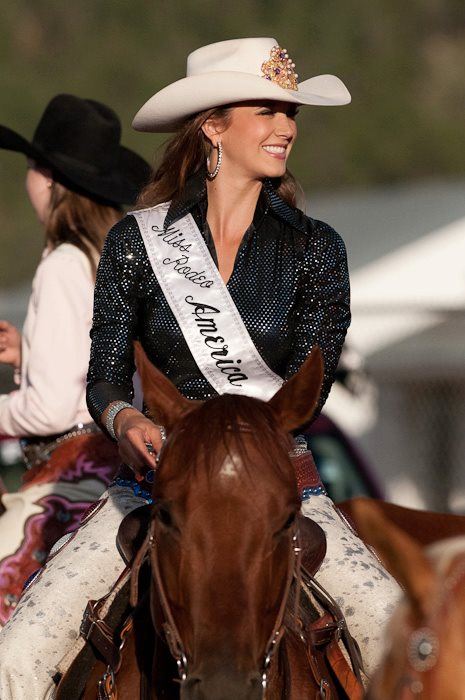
[{"x": 202, "y": 305}]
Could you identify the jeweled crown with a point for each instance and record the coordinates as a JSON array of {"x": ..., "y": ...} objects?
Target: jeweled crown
[{"x": 280, "y": 69}]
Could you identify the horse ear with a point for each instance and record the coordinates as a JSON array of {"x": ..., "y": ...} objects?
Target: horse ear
[
  {"x": 165, "y": 403},
  {"x": 297, "y": 399},
  {"x": 402, "y": 556}
]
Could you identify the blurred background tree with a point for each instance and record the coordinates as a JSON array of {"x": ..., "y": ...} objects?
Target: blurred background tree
[{"x": 402, "y": 61}]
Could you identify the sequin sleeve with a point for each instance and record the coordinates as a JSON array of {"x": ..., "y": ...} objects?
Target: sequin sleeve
[
  {"x": 323, "y": 311},
  {"x": 114, "y": 325}
]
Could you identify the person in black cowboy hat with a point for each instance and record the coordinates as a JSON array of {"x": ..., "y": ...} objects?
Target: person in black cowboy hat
[{"x": 78, "y": 178}]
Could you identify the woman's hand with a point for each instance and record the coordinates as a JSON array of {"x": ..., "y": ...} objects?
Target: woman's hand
[
  {"x": 10, "y": 345},
  {"x": 134, "y": 432}
]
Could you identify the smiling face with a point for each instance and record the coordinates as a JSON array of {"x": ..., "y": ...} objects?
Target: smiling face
[{"x": 257, "y": 139}]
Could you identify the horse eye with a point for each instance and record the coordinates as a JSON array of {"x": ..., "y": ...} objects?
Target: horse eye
[
  {"x": 289, "y": 522},
  {"x": 164, "y": 516}
]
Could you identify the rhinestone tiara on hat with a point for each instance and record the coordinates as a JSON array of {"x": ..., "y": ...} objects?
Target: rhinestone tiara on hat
[
  {"x": 232, "y": 71},
  {"x": 280, "y": 69}
]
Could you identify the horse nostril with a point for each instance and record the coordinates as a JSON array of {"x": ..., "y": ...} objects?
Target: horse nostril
[
  {"x": 190, "y": 688},
  {"x": 256, "y": 685},
  {"x": 209, "y": 688},
  {"x": 191, "y": 681},
  {"x": 255, "y": 678}
]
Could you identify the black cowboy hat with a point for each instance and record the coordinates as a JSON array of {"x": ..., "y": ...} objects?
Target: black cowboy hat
[{"x": 79, "y": 140}]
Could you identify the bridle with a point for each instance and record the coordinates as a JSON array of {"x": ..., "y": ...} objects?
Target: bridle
[
  {"x": 169, "y": 626},
  {"x": 294, "y": 572},
  {"x": 171, "y": 631}
]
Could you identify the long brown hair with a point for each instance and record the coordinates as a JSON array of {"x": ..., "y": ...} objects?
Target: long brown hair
[
  {"x": 185, "y": 154},
  {"x": 78, "y": 219}
]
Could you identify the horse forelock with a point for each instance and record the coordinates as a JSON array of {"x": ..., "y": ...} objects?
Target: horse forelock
[{"x": 228, "y": 426}]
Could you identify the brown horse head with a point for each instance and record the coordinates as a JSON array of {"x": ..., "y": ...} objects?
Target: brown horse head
[
  {"x": 226, "y": 500},
  {"x": 425, "y": 644}
]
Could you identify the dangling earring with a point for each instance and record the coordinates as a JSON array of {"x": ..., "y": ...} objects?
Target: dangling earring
[{"x": 211, "y": 175}]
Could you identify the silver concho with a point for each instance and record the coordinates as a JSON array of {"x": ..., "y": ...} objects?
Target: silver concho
[{"x": 423, "y": 649}]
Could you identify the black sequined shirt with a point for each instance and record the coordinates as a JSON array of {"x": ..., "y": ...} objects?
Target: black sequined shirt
[{"x": 290, "y": 284}]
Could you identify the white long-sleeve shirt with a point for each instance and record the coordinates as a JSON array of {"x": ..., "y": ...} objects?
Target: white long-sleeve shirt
[{"x": 55, "y": 348}]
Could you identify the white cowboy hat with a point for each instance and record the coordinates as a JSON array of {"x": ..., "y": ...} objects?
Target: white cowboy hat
[{"x": 233, "y": 71}]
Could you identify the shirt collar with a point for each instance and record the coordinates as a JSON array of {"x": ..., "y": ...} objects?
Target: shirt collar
[{"x": 195, "y": 193}]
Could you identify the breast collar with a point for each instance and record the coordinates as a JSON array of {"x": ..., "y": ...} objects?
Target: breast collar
[{"x": 195, "y": 193}]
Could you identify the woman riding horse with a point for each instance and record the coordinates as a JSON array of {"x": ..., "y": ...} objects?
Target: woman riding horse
[
  {"x": 228, "y": 286},
  {"x": 78, "y": 178}
]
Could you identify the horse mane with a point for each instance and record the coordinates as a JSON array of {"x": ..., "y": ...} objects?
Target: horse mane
[{"x": 228, "y": 424}]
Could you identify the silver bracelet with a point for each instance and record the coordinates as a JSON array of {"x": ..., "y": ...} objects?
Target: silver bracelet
[
  {"x": 162, "y": 430},
  {"x": 113, "y": 411},
  {"x": 149, "y": 445}
]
